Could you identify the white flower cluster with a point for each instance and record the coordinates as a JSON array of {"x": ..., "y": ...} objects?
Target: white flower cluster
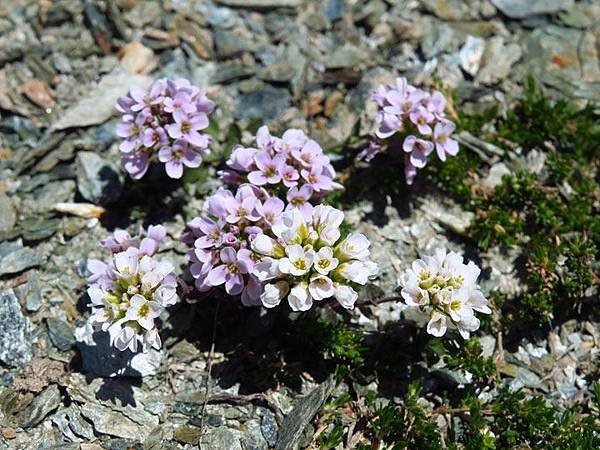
[
  {"x": 133, "y": 293},
  {"x": 446, "y": 288},
  {"x": 309, "y": 261}
]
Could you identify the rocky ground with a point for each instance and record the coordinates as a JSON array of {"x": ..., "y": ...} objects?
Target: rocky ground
[{"x": 288, "y": 63}]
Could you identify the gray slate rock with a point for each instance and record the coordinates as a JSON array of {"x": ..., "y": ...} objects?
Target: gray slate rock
[
  {"x": 267, "y": 103},
  {"x": 30, "y": 294},
  {"x": 98, "y": 180},
  {"x": 219, "y": 438},
  {"x": 304, "y": 410},
  {"x": 259, "y": 4},
  {"x": 519, "y": 9},
  {"x": 100, "y": 358},
  {"x": 98, "y": 105},
  {"x": 15, "y": 339},
  {"x": 113, "y": 423},
  {"x": 61, "y": 334},
  {"x": 40, "y": 407},
  {"x": 15, "y": 258},
  {"x": 8, "y": 216}
]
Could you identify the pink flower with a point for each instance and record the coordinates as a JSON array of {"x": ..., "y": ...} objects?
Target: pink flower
[
  {"x": 188, "y": 127},
  {"x": 422, "y": 117},
  {"x": 299, "y": 198},
  {"x": 268, "y": 169},
  {"x": 418, "y": 149},
  {"x": 231, "y": 271},
  {"x": 270, "y": 210},
  {"x": 177, "y": 156},
  {"x": 443, "y": 144}
]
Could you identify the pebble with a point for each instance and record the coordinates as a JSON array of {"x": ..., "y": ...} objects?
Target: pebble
[
  {"x": 15, "y": 345},
  {"x": 98, "y": 104},
  {"x": 518, "y": 9},
  {"x": 8, "y": 218},
  {"x": 98, "y": 180},
  {"x": 61, "y": 334}
]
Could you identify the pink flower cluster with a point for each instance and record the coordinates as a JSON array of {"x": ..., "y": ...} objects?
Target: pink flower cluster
[
  {"x": 163, "y": 123},
  {"x": 220, "y": 240},
  {"x": 131, "y": 289},
  {"x": 419, "y": 118},
  {"x": 293, "y": 165}
]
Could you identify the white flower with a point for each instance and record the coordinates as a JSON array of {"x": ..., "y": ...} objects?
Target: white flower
[
  {"x": 266, "y": 269},
  {"x": 414, "y": 296},
  {"x": 355, "y": 246},
  {"x": 345, "y": 295},
  {"x": 97, "y": 295},
  {"x": 266, "y": 245},
  {"x": 126, "y": 264},
  {"x": 355, "y": 271},
  {"x": 151, "y": 339},
  {"x": 123, "y": 337},
  {"x": 448, "y": 286},
  {"x": 325, "y": 216},
  {"x": 291, "y": 228},
  {"x": 320, "y": 287},
  {"x": 166, "y": 295},
  {"x": 274, "y": 293},
  {"x": 437, "y": 324},
  {"x": 299, "y": 298},
  {"x": 298, "y": 261},
  {"x": 143, "y": 311},
  {"x": 478, "y": 302},
  {"x": 324, "y": 261}
]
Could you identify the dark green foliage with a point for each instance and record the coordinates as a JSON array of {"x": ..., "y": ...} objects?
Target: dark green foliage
[
  {"x": 468, "y": 357},
  {"x": 553, "y": 217},
  {"x": 536, "y": 120},
  {"x": 515, "y": 419},
  {"x": 337, "y": 341}
]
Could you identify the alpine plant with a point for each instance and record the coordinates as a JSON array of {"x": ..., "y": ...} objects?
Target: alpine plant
[
  {"x": 308, "y": 260},
  {"x": 130, "y": 290},
  {"x": 415, "y": 120},
  {"x": 292, "y": 167},
  {"x": 446, "y": 288},
  {"x": 164, "y": 124},
  {"x": 219, "y": 240}
]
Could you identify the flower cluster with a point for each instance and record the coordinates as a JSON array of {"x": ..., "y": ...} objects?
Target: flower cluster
[
  {"x": 293, "y": 165},
  {"x": 308, "y": 260},
  {"x": 446, "y": 288},
  {"x": 220, "y": 240},
  {"x": 131, "y": 289},
  {"x": 163, "y": 123},
  {"x": 419, "y": 118}
]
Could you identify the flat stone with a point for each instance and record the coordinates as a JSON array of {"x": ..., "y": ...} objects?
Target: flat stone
[
  {"x": 260, "y": 4},
  {"x": 113, "y": 423},
  {"x": 100, "y": 358},
  {"x": 519, "y": 9},
  {"x": 304, "y": 410},
  {"x": 60, "y": 333},
  {"x": 40, "y": 407},
  {"x": 265, "y": 104},
  {"x": 219, "y": 439},
  {"x": 15, "y": 258},
  {"x": 497, "y": 60},
  {"x": 187, "y": 435},
  {"x": 470, "y": 54},
  {"x": 98, "y": 105},
  {"x": 15, "y": 344},
  {"x": 137, "y": 58},
  {"x": 8, "y": 217},
  {"x": 30, "y": 294},
  {"x": 97, "y": 179}
]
